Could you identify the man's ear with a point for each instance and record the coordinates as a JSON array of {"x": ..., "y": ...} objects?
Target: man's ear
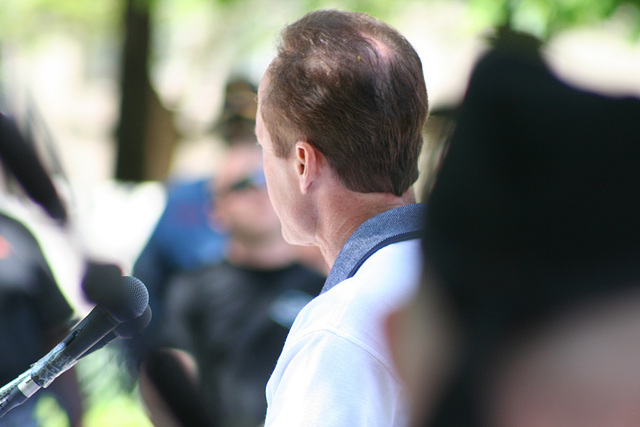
[{"x": 308, "y": 160}]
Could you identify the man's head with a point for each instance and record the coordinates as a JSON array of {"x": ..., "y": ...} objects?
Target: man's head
[{"x": 353, "y": 88}]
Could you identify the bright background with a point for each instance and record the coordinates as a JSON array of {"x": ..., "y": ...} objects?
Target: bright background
[{"x": 60, "y": 61}]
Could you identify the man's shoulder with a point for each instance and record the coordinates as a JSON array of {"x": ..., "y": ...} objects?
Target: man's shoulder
[
  {"x": 399, "y": 224},
  {"x": 386, "y": 270},
  {"x": 351, "y": 307},
  {"x": 393, "y": 262}
]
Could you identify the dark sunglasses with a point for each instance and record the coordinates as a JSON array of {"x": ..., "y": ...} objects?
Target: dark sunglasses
[{"x": 251, "y": 182}]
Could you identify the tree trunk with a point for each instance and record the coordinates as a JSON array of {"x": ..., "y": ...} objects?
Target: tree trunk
[{"x": 145, "y": 134}]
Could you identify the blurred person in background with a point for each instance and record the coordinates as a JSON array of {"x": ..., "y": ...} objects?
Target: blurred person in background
[
  {"x": 234, "y": 316},
  {"x": 182, "y": 240},
  {"x": 186, "y": 237},
  {"x": 528, "y": 313},
  {"x": 34, "y": 313},
  {"x": 35, "y": 316}
]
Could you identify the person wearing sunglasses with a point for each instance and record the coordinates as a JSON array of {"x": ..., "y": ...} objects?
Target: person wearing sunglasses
[{"x": 233, "y": 317}]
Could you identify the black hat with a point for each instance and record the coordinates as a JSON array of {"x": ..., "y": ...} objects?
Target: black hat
[
  {"x": 536, "y": 208},
  {"x": 538, "y": 197}
]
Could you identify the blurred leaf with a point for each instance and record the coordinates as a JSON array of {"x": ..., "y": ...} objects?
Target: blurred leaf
[
  {"x": 30, "y": 19},
  {"x": 120, "y": 411},
  {"x": 544, "y": 18},
  {"x": 49, "y": 413}
]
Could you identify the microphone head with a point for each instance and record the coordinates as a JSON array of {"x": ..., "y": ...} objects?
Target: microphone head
[
  {"x": 135, "y": 300},
  {"x": 124, "y": 297},
  {"x": 131, "y": 327}
]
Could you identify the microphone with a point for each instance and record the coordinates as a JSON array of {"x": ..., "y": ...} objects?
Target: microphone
[
  {"x": 21, "y": 159},
  {"x": 84, "y": 336},
  {"x": 124, "y": 330}
]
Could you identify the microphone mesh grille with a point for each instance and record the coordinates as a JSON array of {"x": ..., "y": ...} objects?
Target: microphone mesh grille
[{"x": 136, "y": 299}]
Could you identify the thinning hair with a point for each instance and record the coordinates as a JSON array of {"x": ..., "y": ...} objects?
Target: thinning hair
[{"x": 354, "y": 88}]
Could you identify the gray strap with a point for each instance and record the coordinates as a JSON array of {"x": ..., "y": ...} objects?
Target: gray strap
[{"x": 395, "y": 225}]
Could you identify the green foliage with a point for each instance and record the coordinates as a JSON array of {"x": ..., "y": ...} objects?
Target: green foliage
[
  {"x": 30, "y": 19},
  {"x": 26, "y": 20},
  {"x": 107, "y": 402},
  {"x": 49, "y": 413},
  {"x": 121, "y": 411},
  {"x": 379, "y": 8},
  {"x": 485, "y": 13},
  {"x": 544, "y": 18}
]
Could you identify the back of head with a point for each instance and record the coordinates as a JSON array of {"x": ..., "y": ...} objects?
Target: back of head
[
  {"x": 536, "y": 197},
  {"x": 534, "y": 211},
  {"x": 354, "y": 88}
]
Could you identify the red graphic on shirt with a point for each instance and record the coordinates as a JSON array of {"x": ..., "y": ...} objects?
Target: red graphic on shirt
[{"x": 5, "y": 248}]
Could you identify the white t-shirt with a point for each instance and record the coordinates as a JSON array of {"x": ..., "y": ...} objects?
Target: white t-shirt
[{"x": 335, "y": 368}]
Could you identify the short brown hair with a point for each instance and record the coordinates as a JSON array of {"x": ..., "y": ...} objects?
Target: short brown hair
[{"x": 353, "y": 87}]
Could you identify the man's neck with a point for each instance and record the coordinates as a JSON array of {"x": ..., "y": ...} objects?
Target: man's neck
[{"x": 343, "y": 213}]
